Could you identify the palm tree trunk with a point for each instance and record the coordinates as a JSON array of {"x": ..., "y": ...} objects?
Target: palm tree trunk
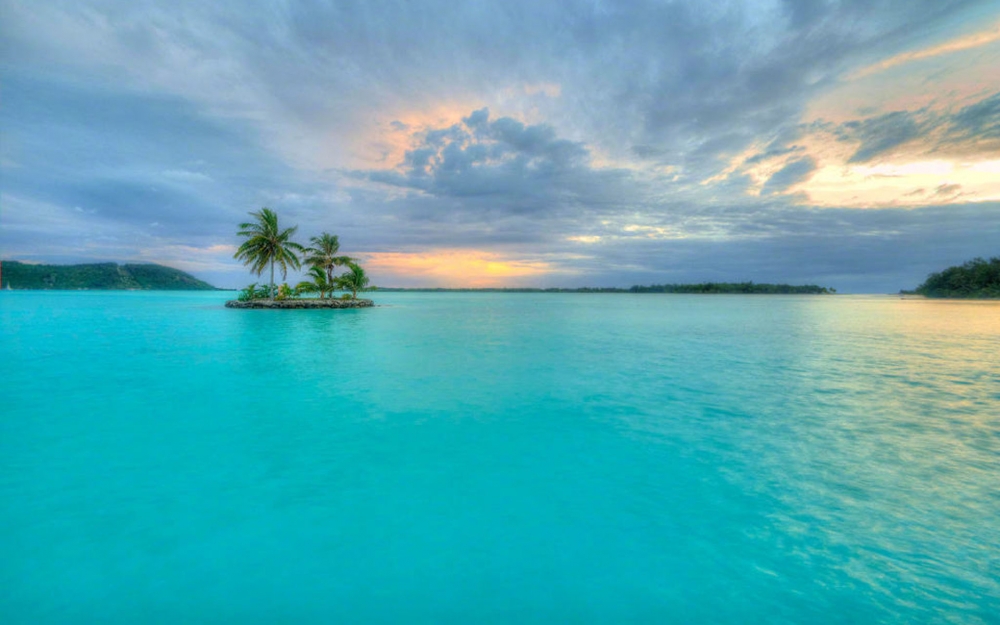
[{"x": 272, "y": 280}]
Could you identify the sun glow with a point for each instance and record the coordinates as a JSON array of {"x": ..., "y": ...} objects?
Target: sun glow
[
  {"x": 904, "y": 184},
  {"x": 384, "y": 145},
  {"x": 453, "y": 268}
]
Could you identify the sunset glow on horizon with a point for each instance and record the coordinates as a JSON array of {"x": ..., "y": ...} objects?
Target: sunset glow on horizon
[{"x": 454, "y": 268}]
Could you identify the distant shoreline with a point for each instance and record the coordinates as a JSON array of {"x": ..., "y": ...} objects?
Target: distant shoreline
[
  {"x": 20, "y": 276},
  {"x": 707, "y": 288}
]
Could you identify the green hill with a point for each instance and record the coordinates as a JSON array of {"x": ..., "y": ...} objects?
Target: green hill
[
  {"x": 98, "y": 276},
  {"x": 976, "y": 279}
]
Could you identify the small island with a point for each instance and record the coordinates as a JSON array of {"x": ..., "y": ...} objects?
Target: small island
[
  {"x": 301, "y": 303},
  {"x": 265, "y": 245},
  {"x": 976, "y": 279}
]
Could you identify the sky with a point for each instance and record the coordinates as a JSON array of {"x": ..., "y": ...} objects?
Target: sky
[{"x": 853, "y": 144}]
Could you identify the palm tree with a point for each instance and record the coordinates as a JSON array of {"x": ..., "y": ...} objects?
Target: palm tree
[
  {"x": 266, "y": 245},
  {"x": 319, "y": 283},
  {"x": 323, "y": 254},
  {"x": 354, "y": 279}
]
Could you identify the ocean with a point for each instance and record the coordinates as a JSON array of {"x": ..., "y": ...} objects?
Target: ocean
[{"x": 499, "y": 458}]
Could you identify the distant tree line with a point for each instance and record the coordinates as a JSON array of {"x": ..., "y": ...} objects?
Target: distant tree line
[
  {"x": 977, "y": 278},
  {"x": 735, "y": 287},
  {"x": 706, "y": 287}
]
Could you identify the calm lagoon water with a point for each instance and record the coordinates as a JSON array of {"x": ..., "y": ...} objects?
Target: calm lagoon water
[{"x": 492, "y": 458}]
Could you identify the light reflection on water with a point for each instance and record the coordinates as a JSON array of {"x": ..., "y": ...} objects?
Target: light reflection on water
[{"x": 904, "y": 463}]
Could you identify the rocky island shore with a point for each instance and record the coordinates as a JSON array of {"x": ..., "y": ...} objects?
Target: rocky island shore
[{"x": 302, "y": 303}]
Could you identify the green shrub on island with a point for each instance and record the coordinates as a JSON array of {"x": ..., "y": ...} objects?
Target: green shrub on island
[
  {"x": 286, "y": 292},
  {"x": 252, "y": 292},
  {"x": 354, "y": 280},
  {"x": 976, "y": 279},
  {"x": 320, "y": 283}
]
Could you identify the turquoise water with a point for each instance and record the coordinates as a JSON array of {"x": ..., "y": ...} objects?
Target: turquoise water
[{"x": 490, "y": 458}]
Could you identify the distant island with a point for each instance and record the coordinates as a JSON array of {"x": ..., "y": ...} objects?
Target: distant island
[
  {"x": 704, "y": 287},
  {"x": 98, "y": 276},
  {"x": 976, "y": 279}
]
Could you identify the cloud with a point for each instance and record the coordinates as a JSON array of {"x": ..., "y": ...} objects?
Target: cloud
[
  {"x": 882, "y": 159},
  {"x": 503, "y": 165},
  {"x": 947, "y": 190},
  {"x": 964, "y": 42},
  {"x": 879, "y": 135},
  {"x": 634, "y": 74},
  {"x": 772, "y": 152},
  {"x": 793, "y": 172},
  {"x": 980, "y": 121}
]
